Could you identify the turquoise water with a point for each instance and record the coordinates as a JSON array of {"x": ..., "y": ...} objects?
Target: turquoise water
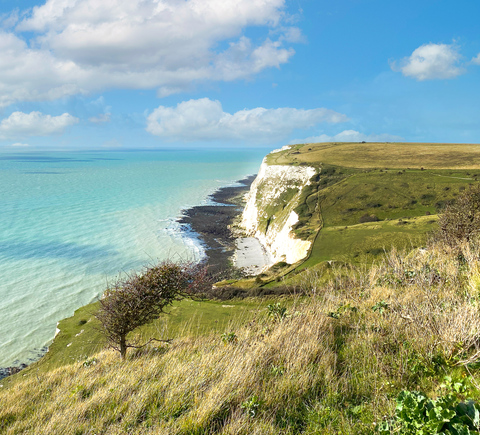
[{"x": 69, "y": 222}]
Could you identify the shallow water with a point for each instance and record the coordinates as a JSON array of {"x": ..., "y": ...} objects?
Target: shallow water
[{"x": 69, "y": 222}]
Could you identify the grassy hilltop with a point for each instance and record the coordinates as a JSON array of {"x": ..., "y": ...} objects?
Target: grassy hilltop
[
  {"x": 382, "y": 155},
  {"x": 384, "y": 326},
  {"x": 370, "y": 197}
]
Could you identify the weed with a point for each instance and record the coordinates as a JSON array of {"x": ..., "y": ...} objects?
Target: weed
[
  {"x": 276, "y": 311},
  {"x": 416, "y": 414},
  {"x": 229, "y": 338},
  {"x": 252, "y": 406},
  {"x": 277, "y": 370},
  {"x": 346, "y": 308},
  {"x": 90, "y": 362},
  {"x": 381, "y": 307}
]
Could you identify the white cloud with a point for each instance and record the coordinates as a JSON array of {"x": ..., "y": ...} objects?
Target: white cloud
[
  {"x": 89, "y": 45},
  {"x": 20, "y": 124},
  {"x": 204, "y": 119},
  {"x": 349, "y": 136},
  {"x": 19, "y": 144},
  {"x": 431, "y": 61},
  {"x": 476, "y": 59},
  {"x": 100, "y": 119}
]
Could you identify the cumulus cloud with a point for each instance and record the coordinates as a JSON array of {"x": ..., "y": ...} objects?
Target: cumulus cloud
[
  {"x": 82, "y": 46},
  {"x": 204, "y": 119},
  {"x": 431, "y": 61},
  {"x": 20, "y": 124},
  {"x": 349, "y": 136},
  {"x": 476, "y": 59}
]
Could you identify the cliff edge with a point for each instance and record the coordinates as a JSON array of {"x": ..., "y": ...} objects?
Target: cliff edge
[{"x": 269, "y": 214}]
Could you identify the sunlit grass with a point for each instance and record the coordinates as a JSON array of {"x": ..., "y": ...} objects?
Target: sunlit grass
[
  {"x": 383, "y": 155},
  {"x": 334, "y": 364}
]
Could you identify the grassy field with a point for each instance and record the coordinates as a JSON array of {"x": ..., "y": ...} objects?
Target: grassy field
[
  {"x": 382, "y": 155},
  {"x": 362, "y": 212},
  {"x": 80, "y": 337},
  {"x": 362, "y": 243},
  {"x": 334, "y": 362}
]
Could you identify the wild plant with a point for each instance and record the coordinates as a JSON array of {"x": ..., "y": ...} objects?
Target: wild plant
[
  {"x": 417, "y": 414},
  {"x": 276, "y": 311}
]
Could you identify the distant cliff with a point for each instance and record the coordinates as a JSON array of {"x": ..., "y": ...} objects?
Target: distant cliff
[{"x": 269, "y": 213}]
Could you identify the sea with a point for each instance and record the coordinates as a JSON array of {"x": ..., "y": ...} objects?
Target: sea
[{"x": 70, "y": 222}]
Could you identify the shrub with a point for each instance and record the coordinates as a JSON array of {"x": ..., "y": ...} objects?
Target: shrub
[
  {"x": 277, "y": 311},
  {"x": 460, "y": 221},
  {"x": 140, "y": 298}
]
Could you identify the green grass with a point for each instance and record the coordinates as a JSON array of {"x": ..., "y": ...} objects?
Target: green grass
[
  {"x": 335, "y": 363},
  {"x": 404, "y": 204},
  {"x": 391, "y": 194},
  {"x": 367, "y": 241},
  {"x": 382, "y": 155},
  {"x": 80, "y": 337}
]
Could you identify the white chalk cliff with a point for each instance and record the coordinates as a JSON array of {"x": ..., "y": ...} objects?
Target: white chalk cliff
[{"x": 269, "y": 213}]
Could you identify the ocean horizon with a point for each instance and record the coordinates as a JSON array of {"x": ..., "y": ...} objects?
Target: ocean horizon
[{"x": 72, "y": 221}]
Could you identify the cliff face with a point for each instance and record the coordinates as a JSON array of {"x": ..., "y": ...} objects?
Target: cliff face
[{"x": 269, "y": 213}]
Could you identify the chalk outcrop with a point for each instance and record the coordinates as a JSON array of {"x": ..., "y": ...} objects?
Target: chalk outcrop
[{"x": 269, "y": 213}]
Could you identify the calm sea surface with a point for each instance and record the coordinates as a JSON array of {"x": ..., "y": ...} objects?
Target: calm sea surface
[{"x": 71, "y": 221}]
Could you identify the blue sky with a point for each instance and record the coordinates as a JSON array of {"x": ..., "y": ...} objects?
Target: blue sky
[{"x": 85, "y": 74}]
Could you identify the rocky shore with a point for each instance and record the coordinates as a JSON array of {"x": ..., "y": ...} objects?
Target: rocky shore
[
  {"x": 36, "y": 355},
  {"x": 212, "y": 223}
]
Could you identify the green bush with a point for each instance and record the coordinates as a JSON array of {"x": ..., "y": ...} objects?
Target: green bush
[{"x": 416, "y": 414}]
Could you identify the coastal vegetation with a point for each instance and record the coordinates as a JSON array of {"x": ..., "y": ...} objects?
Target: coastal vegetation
[
  {"x": 382, "y": 155},
  {"x": 367, "y": 198},
  {"x": 370, "y": 350},
  {"x": 379, "y": 332},
  {"x": 140, "y": 298}
]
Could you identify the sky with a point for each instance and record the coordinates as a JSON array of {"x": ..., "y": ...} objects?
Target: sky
[{"x": 123, "y": 74}]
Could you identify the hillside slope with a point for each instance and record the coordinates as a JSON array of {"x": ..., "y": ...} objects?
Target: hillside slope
[
  {"x": 333, "y": 362},
  {"x": 350, "y": 202},
  {"x": 370, "y": 327}
]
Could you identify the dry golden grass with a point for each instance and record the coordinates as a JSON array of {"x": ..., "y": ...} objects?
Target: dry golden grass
[
  {"x": 333, "y": 365},
  {"x": 384, "y": 155},
  {"x": 194, "y": 386}
]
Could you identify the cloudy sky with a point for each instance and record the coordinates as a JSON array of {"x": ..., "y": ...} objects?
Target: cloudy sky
[{"x": 96, "y": 74}]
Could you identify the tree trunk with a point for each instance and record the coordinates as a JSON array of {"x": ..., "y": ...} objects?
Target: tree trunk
[{"x": 123, "y": 347}]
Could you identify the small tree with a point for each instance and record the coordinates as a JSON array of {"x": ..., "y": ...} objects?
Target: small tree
[
  {"x": 460, "y": 221},
  {"x": 140, "y": 298}
]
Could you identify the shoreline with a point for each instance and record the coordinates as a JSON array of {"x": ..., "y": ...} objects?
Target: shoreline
[
  {"x": 211, "y": 223},
  {"x": 13, "y": 369}
]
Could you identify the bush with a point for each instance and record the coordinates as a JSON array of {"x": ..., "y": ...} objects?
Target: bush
[
  {"x": 460, "y": 221},
  {"x": 140, "y": 298}
]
